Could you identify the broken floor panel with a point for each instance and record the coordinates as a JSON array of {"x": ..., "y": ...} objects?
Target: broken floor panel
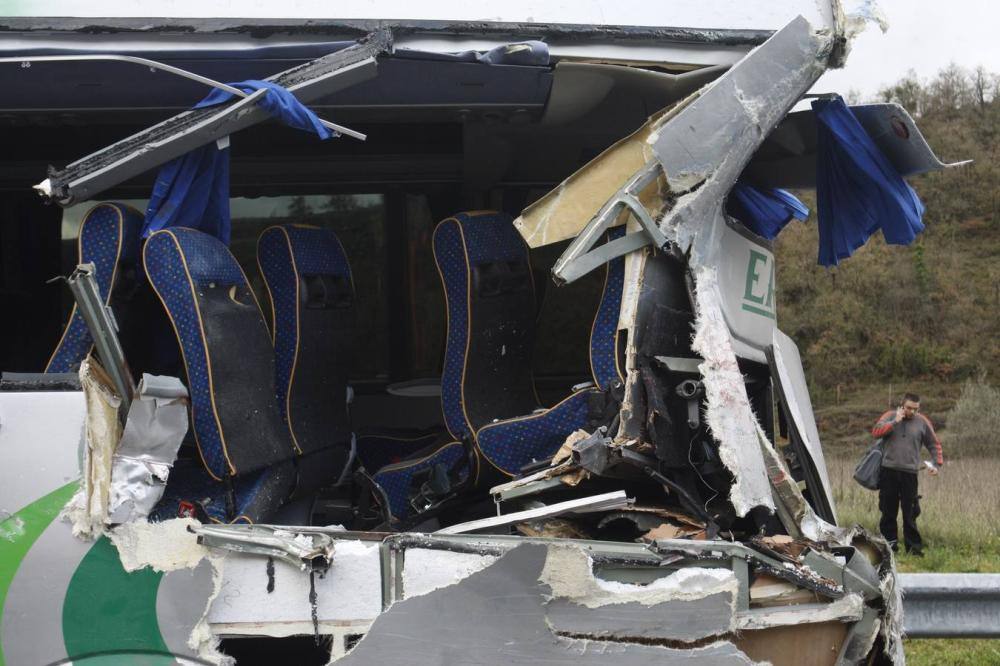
[
  {"x": 496, "y": 598},
  {"x": 501, "y": 615}
]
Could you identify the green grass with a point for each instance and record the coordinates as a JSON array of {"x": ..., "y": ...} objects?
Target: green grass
[
  {"x": 961, "y": 528},
  {"x": 927, "y": 652}
]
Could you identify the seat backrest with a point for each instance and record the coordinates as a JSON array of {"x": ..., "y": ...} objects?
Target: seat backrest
[
  {"x": 109, "y": 238},
  {"x": 490, "y": 296},
  {"x": 311, "y": 288},
  {"x": 226, "y": 350},
  {"x": 605, "y": 347}
]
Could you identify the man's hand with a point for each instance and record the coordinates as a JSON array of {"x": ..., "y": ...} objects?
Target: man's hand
[
  {"x": 899, "y": 415},
  {"x": 929, "y": 466}
]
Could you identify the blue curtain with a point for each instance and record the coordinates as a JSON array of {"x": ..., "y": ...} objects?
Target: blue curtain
[
  {"x": 193, "y": 189},
  {"x": 858, "y": 190},
  {"x": 764, "y": 212}
]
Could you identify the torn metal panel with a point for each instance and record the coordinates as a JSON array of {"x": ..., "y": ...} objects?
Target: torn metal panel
[
  {"x": 891, "y": 629},
  {"x": 715, "y": 135},
  {"x": 793, "y": 393},
  {"x": 860, "y": 639},
  {"x": 156, "y": 424},
  {"x": 703, "y": 150},
  {"x": 499, "y": 615},
  {"x": 728, "y": 412},
  {"x": 857, "y": 574},
  {"x": 91, "y": 175},
  {"x": 88, "y": 509},
  {"x": 252, "y": 602},
  {"x": 690, "y": 604},
  {"x": 732, "y": 552},
  {"x": 677, "y": 595},
  {"x": 846, "y": 609},
  {"x": 309, "y": 550},
  {"x": 787, "y": 158}
]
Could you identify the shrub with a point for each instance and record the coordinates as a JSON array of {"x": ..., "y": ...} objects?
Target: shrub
[{"x": 973, "y": 424}]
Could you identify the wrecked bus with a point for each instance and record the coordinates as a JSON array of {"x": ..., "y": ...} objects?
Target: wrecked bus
[{"x": 319, "y": 400}]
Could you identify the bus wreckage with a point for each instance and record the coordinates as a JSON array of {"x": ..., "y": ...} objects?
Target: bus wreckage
[{"x": 253, "y": 442}]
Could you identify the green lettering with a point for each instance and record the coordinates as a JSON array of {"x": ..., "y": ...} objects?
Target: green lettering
[
  {"x": 753, "y": 276},
  {"x": 769, "y": 301}
]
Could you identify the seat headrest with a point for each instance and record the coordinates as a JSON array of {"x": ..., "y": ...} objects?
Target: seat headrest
[
  {"x": 208, "y": 260},
  {"x": 316, "y": 251},
  {"x": 490, "y": 237}
]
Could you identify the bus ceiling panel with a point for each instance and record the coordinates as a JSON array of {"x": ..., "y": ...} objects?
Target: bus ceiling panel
[{"x": 126, "y": 88}]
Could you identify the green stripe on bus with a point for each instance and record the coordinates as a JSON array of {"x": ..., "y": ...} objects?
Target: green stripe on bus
[
  {"x": 20, "y": 531},
  {"x": 112, "y": 613}
]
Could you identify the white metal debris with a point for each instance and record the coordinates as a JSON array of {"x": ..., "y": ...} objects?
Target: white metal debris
[
  {"x": 87, "y": 511},
  {"x": 728, "y": 412}
]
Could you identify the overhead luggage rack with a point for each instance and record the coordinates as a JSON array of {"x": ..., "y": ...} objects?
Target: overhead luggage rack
[{"x": 88, "y": 177}]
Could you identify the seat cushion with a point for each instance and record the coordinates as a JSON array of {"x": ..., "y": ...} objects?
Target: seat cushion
[
  {"x": 376, "y": 450},
  {"x": 255, "y": 496},
  {"x": 511, "y": 444},
  {"x": 396, "y": 480}
]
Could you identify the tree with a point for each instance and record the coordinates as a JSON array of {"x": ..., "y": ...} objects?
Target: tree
[
  {"x": 949, "y": 91},
  {"x": 984, "y": 86},
  {"x": 907, "y": 91}
]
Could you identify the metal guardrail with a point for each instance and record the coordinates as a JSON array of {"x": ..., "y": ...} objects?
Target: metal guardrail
[{"x": 951, "y": 605}]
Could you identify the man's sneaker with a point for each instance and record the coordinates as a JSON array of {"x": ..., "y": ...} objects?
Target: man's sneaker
[{"x": 915, "y": 552}]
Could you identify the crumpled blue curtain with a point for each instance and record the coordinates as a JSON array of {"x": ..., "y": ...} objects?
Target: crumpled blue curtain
[
  {"x": 193, "y": 189},
  {"x": 858, "y": 190},
  {"x": 764, "y": 211}
]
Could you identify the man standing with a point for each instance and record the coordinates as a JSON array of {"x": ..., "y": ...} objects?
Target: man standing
[{"x": 904, "y": 431}]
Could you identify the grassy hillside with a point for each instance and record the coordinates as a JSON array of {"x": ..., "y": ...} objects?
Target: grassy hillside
[{"x": 923, "y": 317}]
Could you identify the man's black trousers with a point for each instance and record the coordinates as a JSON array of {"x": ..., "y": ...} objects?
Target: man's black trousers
[{"x": 898, "y": 489}]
